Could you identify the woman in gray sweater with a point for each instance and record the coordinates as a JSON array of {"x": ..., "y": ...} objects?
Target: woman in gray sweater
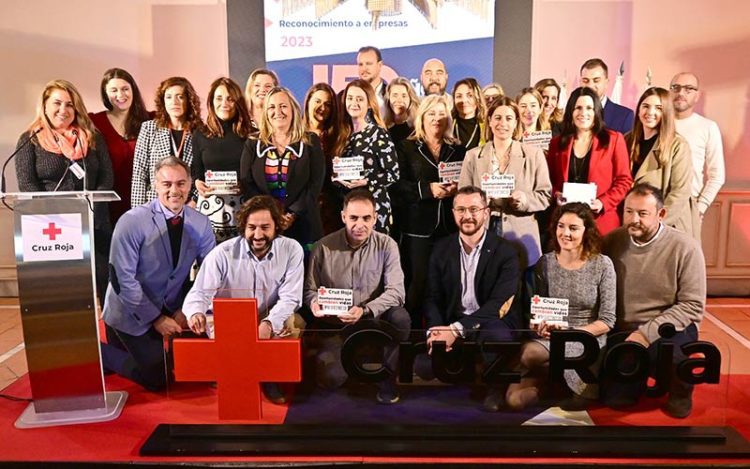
[{"x": 575, "y": 271}]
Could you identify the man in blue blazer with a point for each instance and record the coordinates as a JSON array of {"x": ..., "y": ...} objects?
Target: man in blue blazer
[
  {"x": 472, "y": 281},
  {"x": 153, "y": 249},
  {"x": 595, "y": 75}
]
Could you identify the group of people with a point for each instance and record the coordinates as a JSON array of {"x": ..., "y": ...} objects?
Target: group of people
[{"x": 349, "y": 191}]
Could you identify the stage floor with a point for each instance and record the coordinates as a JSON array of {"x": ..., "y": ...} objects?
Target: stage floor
[{"x": 727, "y": 323}]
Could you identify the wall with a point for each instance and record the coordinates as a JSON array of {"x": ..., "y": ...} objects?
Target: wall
[
  {"x": 78, "y": 40},
  {"x": 708, "y": 38}
]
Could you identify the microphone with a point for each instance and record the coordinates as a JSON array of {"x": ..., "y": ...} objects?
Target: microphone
[{"x": 5, "y": 165}]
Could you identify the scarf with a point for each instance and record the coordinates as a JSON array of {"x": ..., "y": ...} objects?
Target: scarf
[{"x": 71, "y": 143}]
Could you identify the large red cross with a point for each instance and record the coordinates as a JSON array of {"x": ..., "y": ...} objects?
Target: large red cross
[
  {"x": 52, "y": 231},
  {"x": 237, "y": 360}
]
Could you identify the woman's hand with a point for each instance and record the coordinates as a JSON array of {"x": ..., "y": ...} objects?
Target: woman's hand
[
  {"x": 518, "y": 199},
  {"x": 596, "y": 206}
]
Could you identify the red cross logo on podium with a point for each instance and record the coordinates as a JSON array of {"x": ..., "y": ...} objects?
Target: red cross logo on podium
[
  {"x": 237, "y": 360},
  {"x": 52, "y": 231}
]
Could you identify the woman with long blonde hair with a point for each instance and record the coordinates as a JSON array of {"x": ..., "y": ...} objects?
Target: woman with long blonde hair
[
  {"x": 661, "y": 157},
  {"x": 287, "y": 163},
  {"x": 62, "y": 151}
]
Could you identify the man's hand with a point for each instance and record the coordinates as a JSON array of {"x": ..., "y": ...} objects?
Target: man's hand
[
  {"x": 179, "y": 316},
  {"x": 166, "y": 326},
  {"x": 353, "y": 315},
  {"x": 315, "y": 309},
  {"x": 638, "y": 338},
  {"x": 441, "y": 334},
  {"x": 197, "y": 323},
  {"x": 265, "y": 331}
]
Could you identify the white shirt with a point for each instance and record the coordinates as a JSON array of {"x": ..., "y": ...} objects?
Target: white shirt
[
  {"x": 231, "y": 270},
  {"x": 704, "y": 138}
]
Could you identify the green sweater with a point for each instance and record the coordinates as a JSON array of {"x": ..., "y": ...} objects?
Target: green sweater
[{"x": 661, "y": 282}]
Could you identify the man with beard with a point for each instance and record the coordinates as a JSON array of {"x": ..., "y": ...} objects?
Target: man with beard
[
  {"x": 366, "y": 264},
  {"x": 704, "y": 138},
  {"x": 661, "y": 278},
  {"x": 154, "y": 247},
  {"x": 472, "y": 280},
  {"x": 369, "y": 65},
  {"x": 259, "y": 263},
  {"x": 434, "y": 79}
]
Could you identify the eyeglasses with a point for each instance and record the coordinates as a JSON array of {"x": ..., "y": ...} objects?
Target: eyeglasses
[
  {"x": 472, "y": 210},
  {"x": 688, "y": 88}
]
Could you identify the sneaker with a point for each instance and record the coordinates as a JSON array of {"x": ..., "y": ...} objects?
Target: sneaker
[
  {"x": 387, "y": 393},
  {"x": 273, "y": 393}
]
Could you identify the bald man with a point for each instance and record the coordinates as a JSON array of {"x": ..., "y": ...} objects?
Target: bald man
[{"x": 704, "y": 138}]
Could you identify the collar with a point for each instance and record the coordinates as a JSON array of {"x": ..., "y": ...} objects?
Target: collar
[
  {"x": 168, "y": 214},
  {"x": 269, "y": 255},
  {"x": 650, "y": 241},
  {"x": 346, "y": 240},
  {"x": 261, "y": 149},
  {"x": 604, "y": 101},
  {"x": 477, "y": 248}
]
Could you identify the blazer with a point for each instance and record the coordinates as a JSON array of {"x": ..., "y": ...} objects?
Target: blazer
[
  {"x": 142, "y": 281},
  {"x": 675, "y": 179},
  {"x": 609, "y": 169},
  {"x": 154, "y": 144},
  {"x": 423, "y": 213},
  {"x": 496, "y": 281},
  {"x": 305, "y": 176},
  {"x": 529, "y": 167},
  {"x": 618, "y": 118}
]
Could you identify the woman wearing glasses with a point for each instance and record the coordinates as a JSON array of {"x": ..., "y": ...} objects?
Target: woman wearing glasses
[
  {"x": 512, "y": 216},
  {"x": 661, "y": 157}
]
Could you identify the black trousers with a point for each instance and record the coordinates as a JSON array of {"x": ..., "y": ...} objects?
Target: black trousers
[
  {"x": 327, "y": 339},
  {"x": 614, "y": 392},
  {"x": 141, "y": 358},
  {"x": 415, "y": 259}
]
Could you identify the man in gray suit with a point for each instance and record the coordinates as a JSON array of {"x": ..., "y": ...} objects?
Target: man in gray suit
[{"x": 153, "y": 248}]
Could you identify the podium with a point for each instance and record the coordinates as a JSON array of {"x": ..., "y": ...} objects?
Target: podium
[{"x": 54, "y": 244}]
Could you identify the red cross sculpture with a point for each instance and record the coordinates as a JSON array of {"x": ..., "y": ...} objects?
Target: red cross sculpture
[
  {"x": 52, "y": 231},
  {"x": 237, "y": 360}
]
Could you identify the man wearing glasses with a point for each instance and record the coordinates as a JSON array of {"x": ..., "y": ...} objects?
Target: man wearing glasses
[
  {"x": 472, "y": 280},
  {"x": 704, "y": 139}
]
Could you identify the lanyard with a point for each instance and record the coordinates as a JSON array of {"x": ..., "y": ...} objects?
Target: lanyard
[{"x": 178, "y": 150}]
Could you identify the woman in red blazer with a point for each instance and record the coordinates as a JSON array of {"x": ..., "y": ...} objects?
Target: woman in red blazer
[{"x": 587, "y": 152}]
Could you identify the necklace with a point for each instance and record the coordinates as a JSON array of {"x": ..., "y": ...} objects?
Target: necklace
[{"x": 502, "y": 161}]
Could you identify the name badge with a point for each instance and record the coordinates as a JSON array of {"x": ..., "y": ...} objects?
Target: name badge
[{"x": 76, "y": 169}]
